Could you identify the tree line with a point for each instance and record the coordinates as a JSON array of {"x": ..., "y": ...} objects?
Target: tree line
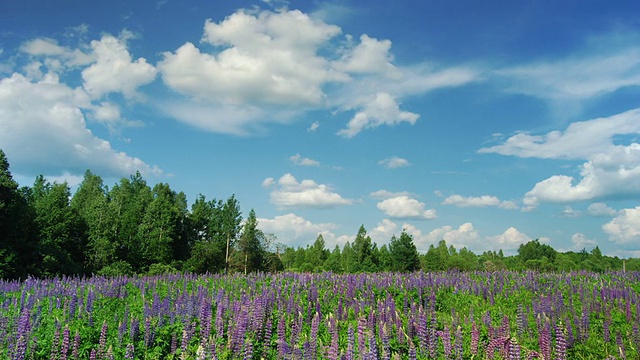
[{"x": 133, "y": 228}]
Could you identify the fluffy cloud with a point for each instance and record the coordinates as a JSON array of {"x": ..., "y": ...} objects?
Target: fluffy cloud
[
  {"x": 464, "y": 235},
  {"x": 394, "y": 162},
  {"x": 114, "y": 70},
  {"x": 580, "y": 241},
  {"x": 624, "y": 229},
  {"x": 376, "y": 110},
  {"x": 44, "y": 128},
  {"x": 610, "y": 174},
  {"x": 294, "y": 230},
  {"x": 385, "y": 194},
  {"x": 404, "y": 207},
  {"x": 509, "y": 240},
  {"x": 261, "y": 61},
  {"x": 478, "y": 201},
  {"x": 289, "y": 193},
  {"x": 610, "y": 170},
  {"x": 369, "y": 56},
  {"x": 601, "y": 210},
  {"x": 303, "y": 161}
]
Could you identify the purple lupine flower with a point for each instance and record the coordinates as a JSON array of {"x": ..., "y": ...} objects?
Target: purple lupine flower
[
  {"x": 505, "y": 329},
  {"x": 620, "y": 344},
  {"x": 412, "y": 351},
  {"x": 24, "y": 328},
  {"x": 75, "y": 352},
  {"x": 64, "y": 349},
  {"x": 362, "y": 327},
  {"x": 248, "y": 350},
  {"x": 102, "y": 344},
  {"x": 93, "y": 355},
  {"x": 333, "y": 351},
  {"x": 386, "y": 346},
  {"x": 521, "y": 320},
  {"x": 313, "y": 336},
  {"x": 54, "y": 345},
  {"x": 350, "y": 343},
  {"x": 445, "y": 336},
  {"x": 606, "y": 330},
  {"x": 544, "y": 340},
  {"x": 457, "y": 344},
  {"x": 499, "y": 344},
  {"x": 561, "y": 343},
  {"x": 475, "y": 338},
  {"x": 514, "y": 349},
  {"x": 282, "y": 340},
  {"x": 129, "y": 353}
]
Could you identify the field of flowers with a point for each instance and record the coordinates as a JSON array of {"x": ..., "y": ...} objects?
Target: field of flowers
[{"x": 447, "y": 315}]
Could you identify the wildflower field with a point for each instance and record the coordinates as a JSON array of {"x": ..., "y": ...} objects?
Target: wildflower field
[{"x": 444, "y": 315}]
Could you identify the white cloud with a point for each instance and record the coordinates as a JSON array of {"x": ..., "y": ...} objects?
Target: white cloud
[
  {"x": 624, "y": 229},
  {"x": 610, "y": 174},
  {"x": 601, "y": 210},
  {"x": 261, "y": 62},
  {"x": 289, "y": 193},
  {"x": 577, "y": 78},
  {"x": 314, "y": 126},
  {"x": 385, "y": 194},
  {"x": 49, "y": 49},
  {"x": 404, "y": 207},
  {"x": 580, "y": 241},
  {"x": 610, "y": 170},
  {"x": 580, "y": 140},
  {"x": 394, "y": 162},
  {"x": 294, "y": 230},
  {"x": 510, "y": 240},
  {"x": 376, "y": 110},
  {"x": 44, "y": 131},
  {"x": 478, "y": 201},
  {"x": 114, "y": 70},
  {"x": 464, "y": 236},
  {"x": 303, "y": 161},
  {"x": 369, "y": 56}
]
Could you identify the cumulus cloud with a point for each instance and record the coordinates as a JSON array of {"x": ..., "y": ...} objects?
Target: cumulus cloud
[
  {"x": 624, "y": 229},
  {"x": 261, "y": 60},
  {"x": 369, "y": 56},
  {"x": 478, "y": 201},
  {"x": 464, "y": 236},
  {"x": 379, "y": 109},
  {"x": 610, "y": 170},
  {"x": 601, "y": 210},
  {"x": 44, "y": 128},
  {"x": 385, "y": 194},
  {"x": 607, "y": 175},
  {"x": 294, "y": 230},
  {"x": 394, "y": 162},
  {"x": 510, "y": 239},
  {"x": 580, "y": 241},
  {"x": 289, "y": 193},
  {"x": 404, "y": 207},
  {"x": 114, "y": 69},
  {"x": 303, "y": 161}
]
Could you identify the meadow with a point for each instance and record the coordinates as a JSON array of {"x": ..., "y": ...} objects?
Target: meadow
[{"x": 436, "y": 315}]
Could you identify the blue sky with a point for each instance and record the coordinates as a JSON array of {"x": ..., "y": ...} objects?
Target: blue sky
[{"x": 486, "y": 124}]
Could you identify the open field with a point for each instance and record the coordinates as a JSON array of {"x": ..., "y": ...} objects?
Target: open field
[{"x": 445, "y": 315}]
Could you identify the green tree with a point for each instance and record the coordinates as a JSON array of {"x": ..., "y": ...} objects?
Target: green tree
[
  {"x": 363, "y": 250},
  {"x": 207, "y": 247},
  {"x": 385, "y": 259},
  {"x": 251, "y": 245},
  {"x": 317, "y": 254},
  {"x": 436, "y": 258},
  {"x": 334, "y": 261},
  {"x": 229, "y": 226},
  {"x": 160, "y": 226},
  {"x": 91, "y": 203},
  {"x": 128, "y": 204},
  {"x": 61, "y": 242},
  {"x": 17, "y": 240},
  {"x": 404, "y": 254}
]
